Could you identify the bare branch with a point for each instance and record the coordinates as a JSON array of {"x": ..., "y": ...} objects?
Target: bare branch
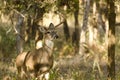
[
  {"x": 9, "y": 30},
  {"x": 59, "y": 24},
  {"x": 18, "y": 13}
]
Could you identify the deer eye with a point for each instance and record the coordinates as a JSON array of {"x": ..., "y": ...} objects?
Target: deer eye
[{"x": 48, "y": 32}]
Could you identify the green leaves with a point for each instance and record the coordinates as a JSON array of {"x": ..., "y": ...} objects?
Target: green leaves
[{"x": 7, "y": 42}]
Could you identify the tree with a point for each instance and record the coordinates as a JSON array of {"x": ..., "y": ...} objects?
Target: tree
[
  {"x": 111, "y": 39},
  {"x": 66, "y": 30},
  {"x": 20, "y": 31},
  {"x": 76, "y": 35},
  {"x": 84, "y": 27}
]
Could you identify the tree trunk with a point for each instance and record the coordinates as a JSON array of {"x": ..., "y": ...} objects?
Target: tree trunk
[
  {"x": 84, "y": 27},
  {"x": 66, "y": 30},
  {"x": 76, "y": 34},
  {"x": 20, "y": 30},
  {"x": 111, "y": 40},
  {"x": 93, "y": 27}
]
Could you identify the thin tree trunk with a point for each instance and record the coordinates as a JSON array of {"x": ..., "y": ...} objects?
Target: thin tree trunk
[
  {"x": 84, "y": 26},
  {"x": 19, "y": 39},
  {"x": 76, "y": 34},
  {"x": 66, "y": 30},
  {"x": 111, "y": 40},
  {"x": 93, "y": 27}
]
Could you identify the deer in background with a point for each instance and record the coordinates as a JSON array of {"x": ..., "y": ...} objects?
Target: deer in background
[{"x": 37, "y": 63}]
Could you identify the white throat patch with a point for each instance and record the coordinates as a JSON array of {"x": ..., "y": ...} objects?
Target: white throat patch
[
  {"x": 39, "y": 44},
  {"x": 49, "y": 43}
]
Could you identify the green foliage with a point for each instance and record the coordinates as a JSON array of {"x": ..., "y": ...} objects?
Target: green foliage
[
  {"x": 72, "y": 5},
  {"x": 7, "y": 42},
  {"x": 30, "y": 7}
]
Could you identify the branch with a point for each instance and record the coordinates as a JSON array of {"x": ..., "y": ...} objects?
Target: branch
[
  {"x": 63, "y": 16},
  {"x": 9, "y": 30},
  {"x": 59, "y": 24},
  {"x": 19, "y": 13},
  {"x": 17, "y": 33}
]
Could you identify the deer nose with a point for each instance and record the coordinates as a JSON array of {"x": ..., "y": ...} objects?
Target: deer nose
[{"x": 56, "y": 36}]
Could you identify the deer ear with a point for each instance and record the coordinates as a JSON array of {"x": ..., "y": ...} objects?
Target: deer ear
[
  {"x": 42, "y": 29},
  {"x": 51, "y": 26}
]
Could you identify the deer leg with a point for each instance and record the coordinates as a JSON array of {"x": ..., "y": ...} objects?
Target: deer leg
[
  {"x": 19, "y": 72},
  {"x": 41, "y": 77},
  {"x": 44, "y": 76},
  {"x": 47, "y": 75}
]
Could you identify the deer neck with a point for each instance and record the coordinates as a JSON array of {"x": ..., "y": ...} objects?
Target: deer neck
[{"x": 48, "y": 45}]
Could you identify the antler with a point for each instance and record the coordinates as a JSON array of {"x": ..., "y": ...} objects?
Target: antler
[{"x": 59, "y": 24}]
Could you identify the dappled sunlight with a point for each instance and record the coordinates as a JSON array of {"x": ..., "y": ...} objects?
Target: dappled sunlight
[{"x": 81, "y": 52}]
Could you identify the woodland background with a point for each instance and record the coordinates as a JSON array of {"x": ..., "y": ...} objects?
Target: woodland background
[{"x": 89, "y": 36}]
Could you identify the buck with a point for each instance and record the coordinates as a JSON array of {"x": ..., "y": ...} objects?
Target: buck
[{"x": 37, "y": 63}]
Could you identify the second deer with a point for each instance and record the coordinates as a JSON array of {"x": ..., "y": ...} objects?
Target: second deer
[{"x": 36, "y": 63}]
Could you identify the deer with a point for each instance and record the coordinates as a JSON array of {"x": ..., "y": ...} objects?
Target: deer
[{"x": 36, "y": 64}]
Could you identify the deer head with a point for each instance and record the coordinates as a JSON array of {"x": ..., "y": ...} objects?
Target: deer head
[{"x": 49, "y": 34}]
